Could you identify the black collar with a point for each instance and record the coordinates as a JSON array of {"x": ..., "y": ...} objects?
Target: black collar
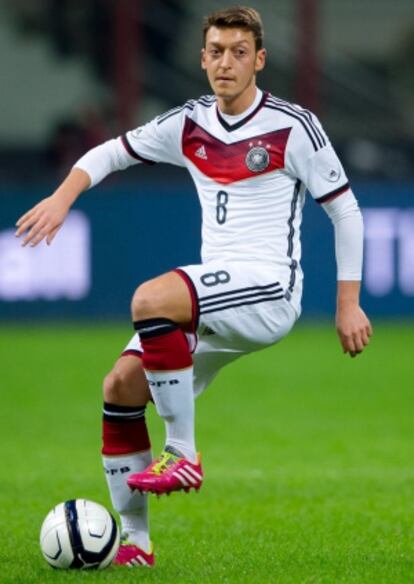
[{"x": 239, "y": 124}]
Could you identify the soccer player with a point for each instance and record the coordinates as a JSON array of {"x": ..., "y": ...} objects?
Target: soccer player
[{"x": 252, "y": 157}]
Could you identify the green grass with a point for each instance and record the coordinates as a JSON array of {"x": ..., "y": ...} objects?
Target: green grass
[{"x": 309, "y": 460}]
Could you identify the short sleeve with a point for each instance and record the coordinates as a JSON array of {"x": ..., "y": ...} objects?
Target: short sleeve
[
  {"x": 312, "y": 159},
  {"x": 157, "y": 141}
]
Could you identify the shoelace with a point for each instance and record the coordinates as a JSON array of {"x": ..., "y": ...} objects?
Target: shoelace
[{"x": 163, "y": 462}]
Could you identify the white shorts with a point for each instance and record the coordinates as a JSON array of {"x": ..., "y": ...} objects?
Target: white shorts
[{"x": 238, "y": 308}]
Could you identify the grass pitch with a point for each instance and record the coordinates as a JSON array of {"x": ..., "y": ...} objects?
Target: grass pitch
[{"x": 308, "y": 457}]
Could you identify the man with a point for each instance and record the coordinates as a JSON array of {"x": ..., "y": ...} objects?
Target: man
[{"x": 252, "y": 157}]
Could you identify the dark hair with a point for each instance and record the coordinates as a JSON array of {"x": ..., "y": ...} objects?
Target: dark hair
[{"x": 236, "y": 17}]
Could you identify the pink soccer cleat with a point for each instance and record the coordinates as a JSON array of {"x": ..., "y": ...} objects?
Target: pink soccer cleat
[
  {"x": 168, "y": 473},
  {"x": 131, "y": 555}
]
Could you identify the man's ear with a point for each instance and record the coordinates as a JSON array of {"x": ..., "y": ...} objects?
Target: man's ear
[
  {"x": 203, "y": 59},
  {"x": 260, "y": 60}
]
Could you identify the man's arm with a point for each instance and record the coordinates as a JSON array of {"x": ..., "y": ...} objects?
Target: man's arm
[
  {"x": 157, "y": 141},
  {"x": 352, "y": 325},
  {"x": 316, "y": 164},
  {"x": 44, "y": 220}
]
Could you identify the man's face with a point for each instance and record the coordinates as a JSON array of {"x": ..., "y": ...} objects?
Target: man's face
[{"x": 231, "y": 61}]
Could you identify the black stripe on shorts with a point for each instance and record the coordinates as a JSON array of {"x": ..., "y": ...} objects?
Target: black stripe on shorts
[
  {"x": 237, "y": 304},
  {"x": 238, "y": 291},
  {"x": 264, "y": 293},
  {"x": 240, "y": 297}
]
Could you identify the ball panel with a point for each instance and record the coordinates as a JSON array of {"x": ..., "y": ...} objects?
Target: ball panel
[
  {"x": 84, "y": 559},
  {"x": 112, "y": 546},
  {"x": 54, "y": 539},
  {"x": 79, "y": 534},
  {"x": 98, "y": 520}
]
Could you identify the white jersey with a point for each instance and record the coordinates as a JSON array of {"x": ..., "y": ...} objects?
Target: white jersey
[{"x": 251, "y": 175}]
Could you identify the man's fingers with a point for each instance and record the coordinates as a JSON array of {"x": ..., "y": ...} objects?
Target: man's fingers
[
  {"x": 24, "y": 217},
  {"x": 352, "y": 344},
  {"x": 29, "y": 238},
  {"x": 29, "y": 221},
  {"x": 36, "y": 234},
  {"x": 52, "y": 234},
  {"x": 358, "y": 343},
  {"x": 355, "y": 343},
  {"x": 37, "y": 238},
  {"x": 355, "y": 346},
  {"x": 365, "y": 337},
  {"x": 24, "y": 226},
  {"x": 29, "y": 216},
  {"x": 348, "y": 343},
  {"x": 42, "y": 221}
]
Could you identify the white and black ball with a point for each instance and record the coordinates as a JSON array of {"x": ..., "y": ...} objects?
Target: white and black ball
[{"x": 79, "y": 534}]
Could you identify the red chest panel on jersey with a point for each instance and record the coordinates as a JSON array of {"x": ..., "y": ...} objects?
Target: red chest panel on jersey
[{"x": 228, "y": 163}]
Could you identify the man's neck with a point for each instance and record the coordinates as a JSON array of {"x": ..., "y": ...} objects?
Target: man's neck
[{"x": 237, "y": 105}]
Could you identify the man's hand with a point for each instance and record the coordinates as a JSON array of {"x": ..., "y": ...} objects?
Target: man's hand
[
  {"x": 354, "y": 329},
  {"x": 45, "y": 219},
  {"x": 353, "y": 326}
]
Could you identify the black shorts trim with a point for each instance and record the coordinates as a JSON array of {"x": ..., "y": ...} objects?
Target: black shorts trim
[{"x": 195, "y": 305}]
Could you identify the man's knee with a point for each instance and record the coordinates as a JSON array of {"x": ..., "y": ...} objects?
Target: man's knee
[
  {"x": 126, "y": 385},
  {"x": 114, "y": 387},
  {"x": 167, "y": 296},
  {"x": 144, "y": 302}
]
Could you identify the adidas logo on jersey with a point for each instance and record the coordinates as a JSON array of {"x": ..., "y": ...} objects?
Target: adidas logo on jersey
[{"x": 201, "y": 153}]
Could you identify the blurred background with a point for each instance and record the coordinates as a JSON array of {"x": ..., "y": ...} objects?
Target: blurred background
[{"x": 77, "y": 72}]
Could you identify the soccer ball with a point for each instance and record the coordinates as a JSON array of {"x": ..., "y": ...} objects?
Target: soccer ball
[{"x": 79, "y": 534}]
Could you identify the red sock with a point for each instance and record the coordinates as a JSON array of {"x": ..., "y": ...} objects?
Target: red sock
[{"x": 124, "y": 430}]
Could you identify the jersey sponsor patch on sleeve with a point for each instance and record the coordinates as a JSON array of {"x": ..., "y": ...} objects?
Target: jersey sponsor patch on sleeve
[{"x": 327, "y": 165}]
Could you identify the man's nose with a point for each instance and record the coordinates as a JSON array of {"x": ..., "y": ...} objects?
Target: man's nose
[{"x": 226, "y": 59}]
